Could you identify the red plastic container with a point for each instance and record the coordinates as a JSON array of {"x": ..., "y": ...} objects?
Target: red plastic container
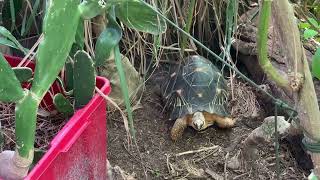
[{"x": 79, "y": 150}]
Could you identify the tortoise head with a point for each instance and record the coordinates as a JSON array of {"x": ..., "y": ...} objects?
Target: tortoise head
[{"x": 198, "y": 120}]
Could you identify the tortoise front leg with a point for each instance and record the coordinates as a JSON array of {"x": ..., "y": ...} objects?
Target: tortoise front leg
[
  {"x": 222, "y": 122},
  {"x": 179, "y": 126}
]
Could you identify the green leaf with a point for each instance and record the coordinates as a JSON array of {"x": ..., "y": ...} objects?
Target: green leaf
[
  {"x": 139, "y": 16},
  {"x": 312, "y": 176},
  {"x": 84, "y": 79},
  {"x": 314, "y": 22},
  {"x": 106, "y": 41},
  {"x": 6, "y": 42},
  {"x": 304, "y": 25},
  {"x": 23, "y": 74},
  {"x": 124, "y": 88},
  {"x": 10, "y": 87},
  {"x": 91, "y": 8},
  {"x": 315, "y": 64},
  {"x": 62, "y": 104},
  {"x": 4, "y": 32},
  {"x": 309, "y": 33}
]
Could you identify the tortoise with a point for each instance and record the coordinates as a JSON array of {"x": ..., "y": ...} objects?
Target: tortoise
[{"x": 196, "y": 95}]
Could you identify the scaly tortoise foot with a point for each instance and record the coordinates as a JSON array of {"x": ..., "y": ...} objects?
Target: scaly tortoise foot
[{"x": 178, "y": 128}]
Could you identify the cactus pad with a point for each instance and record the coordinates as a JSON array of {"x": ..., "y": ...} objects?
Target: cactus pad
[
  {"x": 69, "y": 74},
  {"x": 24, "y": 74},
  {"x": 84, "y": 79},
  {"x": 62, "y": 104},
  {"x": 10, "y": 87}
]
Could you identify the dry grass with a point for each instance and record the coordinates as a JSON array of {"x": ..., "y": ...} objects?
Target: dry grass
[
  {"x": 46, "y": 128},
  {"x": 243, "y": 102}
]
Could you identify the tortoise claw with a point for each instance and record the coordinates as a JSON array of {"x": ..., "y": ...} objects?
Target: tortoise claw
[{"x": 178, "y": 128}]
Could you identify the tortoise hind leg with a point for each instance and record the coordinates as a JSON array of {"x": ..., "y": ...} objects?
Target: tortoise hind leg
[{"x": 179, "y": 126}]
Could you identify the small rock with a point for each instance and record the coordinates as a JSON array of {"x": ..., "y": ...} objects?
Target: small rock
[{"x": 233, "y": 163}]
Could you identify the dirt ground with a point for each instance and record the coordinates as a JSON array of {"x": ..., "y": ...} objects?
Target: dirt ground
[{"x": 159, "y": 156}]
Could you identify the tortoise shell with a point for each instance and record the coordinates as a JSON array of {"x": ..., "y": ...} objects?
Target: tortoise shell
[{"x": 195, "y": 85}]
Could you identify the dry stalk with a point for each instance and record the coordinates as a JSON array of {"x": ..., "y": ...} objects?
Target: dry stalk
[
  {"x": 124, "y": 117},
  {"x": 197, "y": 151},
  {"x": 213, "y": 174}
]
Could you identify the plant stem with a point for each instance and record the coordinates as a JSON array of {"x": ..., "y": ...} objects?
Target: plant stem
[
  {"x": 26, "y": 114},
  {"x": 188, "y": 25},
  {"x": 231, "y": 17},
  {"x": 262, "y": 39}
]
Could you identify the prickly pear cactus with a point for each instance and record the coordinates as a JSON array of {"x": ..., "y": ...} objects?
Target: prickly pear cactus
[
  {"x": 24, "y": 74},
  {"x": 69, "y": 74},
  {"x": 62, "y": 104},
  {"x": 10, "y": 89},
  {"x": 84, "y": 79}
]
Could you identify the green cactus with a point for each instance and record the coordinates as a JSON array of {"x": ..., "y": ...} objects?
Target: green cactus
[
  {"x": 69, "y": 74},
  {"x": 61, "y": 19},
  {"x": 62, "y": 104},
  {"x": 79, "y": 39},
  {"x": 11, "y": 40},
  {"x": 23, "y": 74},
  {"x": 84, "y": 79},
  {"x": 10, "y": 88}
]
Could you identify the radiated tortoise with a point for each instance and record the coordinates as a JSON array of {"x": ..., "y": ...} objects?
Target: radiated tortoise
[{"x": 196, "y": 95}]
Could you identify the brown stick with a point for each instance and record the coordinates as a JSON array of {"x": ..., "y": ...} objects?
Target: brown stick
[{"x": 197, "y": 151}]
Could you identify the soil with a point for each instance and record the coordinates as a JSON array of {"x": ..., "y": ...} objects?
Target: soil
[
  {"x": 48, "y": 125},
  {"x": 157, "y": 156}
]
